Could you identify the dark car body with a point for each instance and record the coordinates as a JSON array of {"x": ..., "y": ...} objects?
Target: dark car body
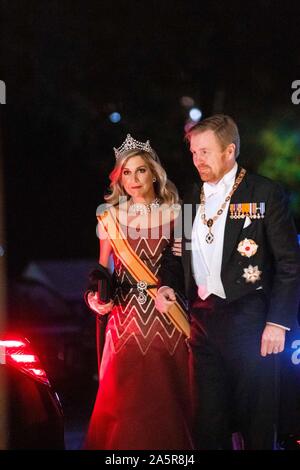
[{"x": 34, "y": 413}]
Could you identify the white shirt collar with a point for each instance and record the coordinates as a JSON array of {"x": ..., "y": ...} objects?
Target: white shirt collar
[{"x": 222, "y": 185}]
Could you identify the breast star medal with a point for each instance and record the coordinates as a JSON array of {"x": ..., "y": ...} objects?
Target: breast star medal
[
  {"x": 247, "y": 247},
  {"x": 252, "y": 274}
]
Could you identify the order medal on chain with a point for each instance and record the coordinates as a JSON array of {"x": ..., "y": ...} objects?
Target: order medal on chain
[{"x": 209, "y": 222}]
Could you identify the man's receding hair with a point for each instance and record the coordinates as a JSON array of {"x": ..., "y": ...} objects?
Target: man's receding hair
[{"x": 224, "y": 128}]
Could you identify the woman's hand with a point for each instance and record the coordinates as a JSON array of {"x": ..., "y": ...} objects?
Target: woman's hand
[{"x": 101, "y": 309}]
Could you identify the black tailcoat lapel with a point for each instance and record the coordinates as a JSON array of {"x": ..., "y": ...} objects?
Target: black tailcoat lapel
[{"x": 233, "y": 227}]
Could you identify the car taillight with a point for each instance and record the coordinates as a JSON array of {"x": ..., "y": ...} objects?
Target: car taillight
[{"x": 18, "y": 353}]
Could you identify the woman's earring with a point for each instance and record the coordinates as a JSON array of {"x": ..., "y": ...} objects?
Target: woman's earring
[{"x": 154, "y": 179}]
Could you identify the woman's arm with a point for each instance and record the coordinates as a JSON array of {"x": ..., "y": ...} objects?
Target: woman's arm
[
  {"x": 92, "y": 297},
  {"x": 105, "y": 252}
]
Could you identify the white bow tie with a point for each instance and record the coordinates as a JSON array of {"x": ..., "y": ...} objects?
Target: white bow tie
[{"x": 209, "y": 189}]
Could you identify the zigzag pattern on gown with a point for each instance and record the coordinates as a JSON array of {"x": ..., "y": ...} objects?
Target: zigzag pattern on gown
[
  {"x": 143, "y": 398},
  {"x": 131, "y": 321}
]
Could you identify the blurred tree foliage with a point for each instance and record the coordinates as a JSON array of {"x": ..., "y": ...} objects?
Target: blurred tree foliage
[{"x": 282, "y": 160}]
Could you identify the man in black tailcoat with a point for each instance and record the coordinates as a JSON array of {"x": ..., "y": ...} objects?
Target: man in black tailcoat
[{"x": 241, "y": 267}]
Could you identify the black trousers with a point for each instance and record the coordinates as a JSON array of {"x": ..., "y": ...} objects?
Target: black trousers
[{"x": 234, "y": 388}]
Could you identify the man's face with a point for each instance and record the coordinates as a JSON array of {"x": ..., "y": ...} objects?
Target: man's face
[{"x": 211, "y": 161}]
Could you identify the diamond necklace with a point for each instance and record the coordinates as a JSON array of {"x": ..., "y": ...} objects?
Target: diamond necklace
[
  {"x": 144, "y": 208},
  {"x": 210, "y": 237}
]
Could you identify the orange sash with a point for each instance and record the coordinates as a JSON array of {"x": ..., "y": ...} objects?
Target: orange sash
[{"x": 136, "y": 267}]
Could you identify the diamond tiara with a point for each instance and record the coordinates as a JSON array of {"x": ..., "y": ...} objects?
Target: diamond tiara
[{"x": 131, "y": 144}]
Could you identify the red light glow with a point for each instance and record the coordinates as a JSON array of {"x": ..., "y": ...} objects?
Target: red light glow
[
  {"x": 17, "y": 352},
  {"x": 38, "y": 372},
  {"x": 12, "y": 344},
  {"x": 24, "y": 357}
]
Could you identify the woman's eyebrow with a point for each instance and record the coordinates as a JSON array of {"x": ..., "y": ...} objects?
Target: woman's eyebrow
[{"x": 142, "y": 166}]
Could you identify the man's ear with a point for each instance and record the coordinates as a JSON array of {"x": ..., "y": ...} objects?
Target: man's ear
[{"x": 230, "y": 151}]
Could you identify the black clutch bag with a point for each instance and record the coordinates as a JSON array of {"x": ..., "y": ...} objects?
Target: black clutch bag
[{"x": 100, "y": 281}]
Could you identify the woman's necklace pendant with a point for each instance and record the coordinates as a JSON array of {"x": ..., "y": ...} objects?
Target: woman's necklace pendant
[{"x": 143, "y": 208}]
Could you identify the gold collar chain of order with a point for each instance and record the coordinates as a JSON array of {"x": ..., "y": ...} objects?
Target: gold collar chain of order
[{"x": 210, "y": 237}]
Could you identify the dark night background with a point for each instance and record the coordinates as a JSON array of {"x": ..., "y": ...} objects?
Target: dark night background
[{"x": 67, "y": 65}]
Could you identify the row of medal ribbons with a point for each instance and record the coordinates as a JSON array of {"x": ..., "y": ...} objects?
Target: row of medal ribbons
[{"x": 253, "y": 210}]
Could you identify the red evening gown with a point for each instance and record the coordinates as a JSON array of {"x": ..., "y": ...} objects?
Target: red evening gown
[{"x": 143, "y": 396}]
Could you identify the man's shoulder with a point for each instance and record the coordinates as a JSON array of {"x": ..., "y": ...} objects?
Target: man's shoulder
[
  {"x": 263, "y": 183},
  {"x": 258, "y": 182}
]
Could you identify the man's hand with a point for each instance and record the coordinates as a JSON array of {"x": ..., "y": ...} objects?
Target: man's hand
[
  {"x": 177, "y": 247},
  {"x": 165, "y": 297},
  {"x": 272, "y": 341}
]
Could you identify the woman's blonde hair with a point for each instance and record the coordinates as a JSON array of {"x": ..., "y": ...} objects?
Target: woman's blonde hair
[{"x": 164, "y": 189}]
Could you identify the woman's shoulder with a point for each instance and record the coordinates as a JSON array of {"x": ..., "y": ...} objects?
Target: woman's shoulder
[
  {"x": 102, "y": 210},
  {"x": 115, "y": 211},
  {"x": 104, "y": 207},
  {"x": 169, "y": 213}
]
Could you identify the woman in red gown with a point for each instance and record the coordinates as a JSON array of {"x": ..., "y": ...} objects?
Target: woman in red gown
[{"x": 143, "y": 397}]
